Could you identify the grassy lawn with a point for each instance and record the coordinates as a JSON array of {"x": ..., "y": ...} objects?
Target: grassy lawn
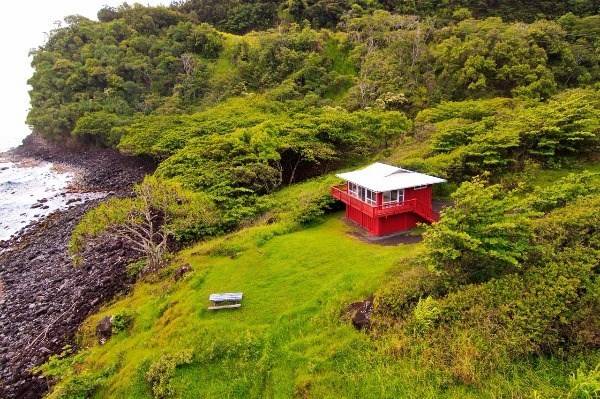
[{"x": 287, "y": 339}]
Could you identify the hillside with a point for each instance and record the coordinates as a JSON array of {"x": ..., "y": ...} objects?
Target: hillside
[
  {"x": 249, "y": 108},
  {"x": 291, "y": 337},
  {"x": 287, "y": 329}
]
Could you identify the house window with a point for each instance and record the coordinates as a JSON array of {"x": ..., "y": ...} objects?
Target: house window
[
  {"x": 393, "y": 197},
  {"x": 365, "y": 195},
  {"x": 361, "y": 193},
  {"x": 353, "y": 189},
  {"x": 371, "y": 197}
]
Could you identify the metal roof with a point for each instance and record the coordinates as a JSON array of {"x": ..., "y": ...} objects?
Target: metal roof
[{"x": 381, "y": 177}]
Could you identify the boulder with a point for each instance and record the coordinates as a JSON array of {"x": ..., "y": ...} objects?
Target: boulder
[
  {"x": 360, "y": 314},
  {"x": 182, "y": 271},
  {"x": 104, "y": 329}
]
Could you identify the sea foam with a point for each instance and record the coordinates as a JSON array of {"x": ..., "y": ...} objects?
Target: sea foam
[{"x": 31, "y": 192}]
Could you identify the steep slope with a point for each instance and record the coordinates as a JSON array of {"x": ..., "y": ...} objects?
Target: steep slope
[{"x": 288, "y": 329}]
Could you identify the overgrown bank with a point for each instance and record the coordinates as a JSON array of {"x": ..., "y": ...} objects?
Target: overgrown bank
[
  {"x": 43, "y": 298},
  {"x": 292, "y": 337},
  {"x": 500, "y": 299}
]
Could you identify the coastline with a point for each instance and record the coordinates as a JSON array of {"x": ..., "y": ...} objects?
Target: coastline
[{"x": 43, "y": 297}]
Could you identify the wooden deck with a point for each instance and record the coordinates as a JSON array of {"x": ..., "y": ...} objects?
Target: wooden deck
[{"x": 376, "y": 211}]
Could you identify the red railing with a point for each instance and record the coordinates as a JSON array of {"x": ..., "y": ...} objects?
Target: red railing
[{"x": 411, "y": 205}]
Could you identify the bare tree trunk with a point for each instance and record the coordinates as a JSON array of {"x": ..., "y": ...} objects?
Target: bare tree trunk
[
  {"x": 293, "y": 174},
  {"x": 144, "y": 236}
]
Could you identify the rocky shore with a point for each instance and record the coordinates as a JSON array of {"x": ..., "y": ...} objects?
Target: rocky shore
[{"x": 43, "y": 297}]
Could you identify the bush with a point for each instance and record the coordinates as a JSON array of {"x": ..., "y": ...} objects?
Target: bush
[
  {"x": 99, "y": 128},
  {"x": 424, "y": 316},
  {"x": 502, "y": 135},
  {"x": 485, "y": 234},
  {"x": 77, "y": 385},
  {"x": 121, "y": 321},
  {"x": 161, "y": 372},
  {"x": 404, "y": 290},
  {"x": 492, "y": 311},
  {"x": 585, "y": 385},
  {"x": 315, "y": 209}
]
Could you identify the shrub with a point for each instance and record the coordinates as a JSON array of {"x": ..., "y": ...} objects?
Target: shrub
[
  {"x": 500, "y": 135},
  {"x": 227, "y": 249},
  {"x": 404, "y": 290},
  {"x": 315, "y": 209},
  {"x": 585, "y": 384},
  {"x": 424, "y": 316},
  {"x": 485, "y": 234},
  {"x": 121, "y": 321},
  {"x": 99, "y": 128},
  {"x": 496, "y": 311},
  {"x": 161, "y": 372},
  {"x": 75, "y": 385}
]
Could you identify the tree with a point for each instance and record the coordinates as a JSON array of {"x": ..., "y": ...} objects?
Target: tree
[
  {"x": 160, "y": 212},
  {"x": 302, "y": 146},
  {"x": 485, "y": 234},
  {"x": 97, "y": 127}
]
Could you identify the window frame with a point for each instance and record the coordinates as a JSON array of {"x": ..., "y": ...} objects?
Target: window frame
[
  {"x": 353, "y": 189},
  {"x": 370, "y": 197},
  {"x": 361, "y": 193},
  {"x": 400, "y": 193}
]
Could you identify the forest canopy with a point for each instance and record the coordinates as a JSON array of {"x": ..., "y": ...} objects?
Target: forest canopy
[{"x": 312, "y": 93}]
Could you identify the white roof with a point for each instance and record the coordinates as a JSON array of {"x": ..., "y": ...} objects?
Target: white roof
[{"x": 380, "y": 177}]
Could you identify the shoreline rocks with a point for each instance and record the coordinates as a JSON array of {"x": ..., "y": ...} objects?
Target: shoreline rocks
[{"x": 43, "y": 297}]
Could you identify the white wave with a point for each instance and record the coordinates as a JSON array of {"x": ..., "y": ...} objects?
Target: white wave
[{"x": 29, "y": 193}]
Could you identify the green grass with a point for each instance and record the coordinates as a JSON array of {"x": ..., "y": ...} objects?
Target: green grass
[
  {"x": 289, "y": 339},
  {"x": 546, "y": 177},
  {"x": 287, "y": 336},
  {"x": 223, "y": 64}
]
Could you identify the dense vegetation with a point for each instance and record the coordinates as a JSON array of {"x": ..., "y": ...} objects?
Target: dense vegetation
[
  {"x": 249, "y": 106},
  {"x": 286, "y": 104},
  {"x": 242, "y": 16},
  {"x": 509, "y": 273},
  {"x": 502, "y": 135}
]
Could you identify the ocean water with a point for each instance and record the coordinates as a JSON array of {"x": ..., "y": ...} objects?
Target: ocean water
[{"x": 31, "y": 192}]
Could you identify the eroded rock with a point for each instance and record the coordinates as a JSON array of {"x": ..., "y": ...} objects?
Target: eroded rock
[
  {"x": 104, "y": 329},
  {"x": 360, "y": 313},
  {"x": 182, "y": 271}
]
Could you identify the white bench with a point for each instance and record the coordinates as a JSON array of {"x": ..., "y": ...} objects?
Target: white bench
[{"x": 227, "y": 300}]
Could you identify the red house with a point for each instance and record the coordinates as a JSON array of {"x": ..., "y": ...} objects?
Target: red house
[{"x": 385, "y": 199}]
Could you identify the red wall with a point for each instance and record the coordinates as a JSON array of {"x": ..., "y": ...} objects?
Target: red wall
[
  {"x": 397, "y": 223},
  {"x": 423, "y": 196},
  {"x": 392, "y": 224},
  {"x": 369, "y": 223}
]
